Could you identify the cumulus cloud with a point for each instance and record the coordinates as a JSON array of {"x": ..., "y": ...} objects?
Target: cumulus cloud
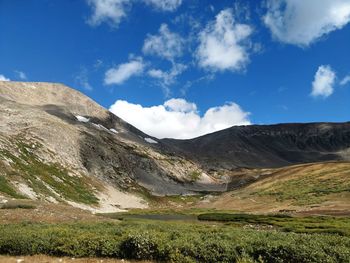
[
  {"x": 164, "y": 5},
  {"x": 323, "y": 83},
  {"x": 345, "y": 80},
  {"x": 119, "y": 74},
  {"x": 110, "y": 11},
  {"x": 223, "y": 44},
  {"x": 303, "y": 22},
  {"x": 166, "y": 44},
  {"x": 180, "y": 105},
  {"x": 178, "y": 118},
  {"x": 3, "y": 78}
]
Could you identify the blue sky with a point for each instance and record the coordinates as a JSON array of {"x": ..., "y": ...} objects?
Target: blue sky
[{"x": 185, "y": 68}]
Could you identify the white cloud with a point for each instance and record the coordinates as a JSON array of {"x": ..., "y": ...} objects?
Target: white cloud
[
  {"x": 167, "y": 78},
  {"x": 166, "y": 44},
  {"x": 302, "y": 22},
  {"x": 21, "y": 74},
  {"x": 223, "y": 44},
  {"x": 345, "y": 80},
  {"x": 180, "y": 105},
  {"x": 164, "y": 5},
  {"x": 177, "y": 118},
  {"x": 110, "y": 11},
  {"x": 322, "y": 86},
  {"x": 3, "y": 78},
  {"x": 121, "y": 73}
]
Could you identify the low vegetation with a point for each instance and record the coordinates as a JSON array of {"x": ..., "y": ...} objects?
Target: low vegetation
[
  {"x": 172, "y": 241},
  {"x": 7, "y": 188},
  {"x": 44, "y": 177},
  {"x": 194, "y": 175},
  {"x": 17, "y": 206},
  {"x": 315, "y": 224},
  {"x": 302, "y": 185}
]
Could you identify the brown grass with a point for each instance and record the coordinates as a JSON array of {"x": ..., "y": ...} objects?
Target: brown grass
[
  {"x": 291, "y": 182},
  {"x": 47, "y": 213}
]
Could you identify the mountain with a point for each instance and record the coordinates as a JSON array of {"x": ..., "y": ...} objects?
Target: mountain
[
  {"x": 268, "y": 146},
  {"x": 59, "y": 146}
]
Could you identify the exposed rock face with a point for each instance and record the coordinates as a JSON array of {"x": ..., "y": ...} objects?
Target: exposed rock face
[
  {"x": 266, "y": 146},
  {"x": 51, "y": 127}
]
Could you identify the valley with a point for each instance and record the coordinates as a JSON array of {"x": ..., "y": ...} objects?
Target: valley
[{"x": 78, "y": 181}]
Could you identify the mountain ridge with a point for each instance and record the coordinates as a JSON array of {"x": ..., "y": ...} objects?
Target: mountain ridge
[
  {"x": 279, "y": 144},
  {"x": 58, "y": 145}
]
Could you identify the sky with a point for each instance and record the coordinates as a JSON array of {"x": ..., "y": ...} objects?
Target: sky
[{"x": 184, "y": 68}]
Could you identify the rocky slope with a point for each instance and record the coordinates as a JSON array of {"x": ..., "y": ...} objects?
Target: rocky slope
[
  {"x": 267, "y": 146},
  {"x": 57, "y": 144}
]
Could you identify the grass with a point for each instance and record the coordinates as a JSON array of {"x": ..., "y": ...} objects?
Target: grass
[
  {"x": 314, "y": 224},
  {"x": 194, "y": 175},
  {"x": 307, "y": 184},
  {"x": 171, "y": 242},
  {"x": 6, "y": 188},
  {"x": 40, "y": 175}
]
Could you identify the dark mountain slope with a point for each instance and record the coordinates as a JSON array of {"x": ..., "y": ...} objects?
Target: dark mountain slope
[{"x": 263, "y": 146}]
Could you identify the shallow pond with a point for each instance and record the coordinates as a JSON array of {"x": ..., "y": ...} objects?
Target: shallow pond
[{"x": 163, "y": 217}]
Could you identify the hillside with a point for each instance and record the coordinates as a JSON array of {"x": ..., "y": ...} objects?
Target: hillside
[
  {"x": 268, "y": 146},
  {"x": 58, "y": 145},
  {"x": 308, "y": 189}
]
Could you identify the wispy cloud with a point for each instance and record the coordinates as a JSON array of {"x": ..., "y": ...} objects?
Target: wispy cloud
[
  {"x": 345, "y": 80},
  {"x": 109, "y": 11},
  {"x": 82, "y": 79},
  {"x": 165, "y": 44},
  {"x": 167, "y": 78},
  {"x": 164, "y": 5},
  {"x": 21, "y": 75}
]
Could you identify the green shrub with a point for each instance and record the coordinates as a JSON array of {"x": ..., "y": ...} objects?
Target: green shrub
[
  {"x": 17, "y": 206},
  {"x": 171, "y": 242}
]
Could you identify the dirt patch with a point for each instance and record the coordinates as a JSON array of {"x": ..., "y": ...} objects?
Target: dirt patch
[{"x": 48, "y": 213}]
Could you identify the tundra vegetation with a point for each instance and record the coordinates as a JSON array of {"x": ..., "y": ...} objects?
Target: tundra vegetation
[{"x": 241, "y": 238}]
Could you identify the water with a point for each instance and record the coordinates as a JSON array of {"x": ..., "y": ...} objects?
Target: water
[{"x": 164, "y": 217}]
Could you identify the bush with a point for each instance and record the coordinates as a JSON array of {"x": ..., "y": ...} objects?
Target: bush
[{"x": 171, "y": 242}]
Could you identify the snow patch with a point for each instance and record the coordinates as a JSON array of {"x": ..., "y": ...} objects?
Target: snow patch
[
  {"x": 150, "y": 140},
  {"x": 82, "y": 119},
  {"x": 100, "y": 127},
  {"x": 114, "y": 131}
]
